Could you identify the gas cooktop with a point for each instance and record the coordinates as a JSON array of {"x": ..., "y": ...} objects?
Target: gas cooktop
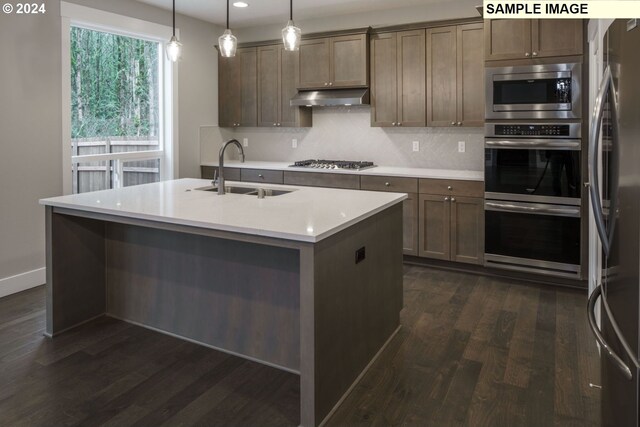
[{"x": 332, "y": 164}]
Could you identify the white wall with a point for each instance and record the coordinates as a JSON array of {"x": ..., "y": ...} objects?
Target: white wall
[
  {"x": 30, "y": 121},
  {"x": 346, "y": 133}
]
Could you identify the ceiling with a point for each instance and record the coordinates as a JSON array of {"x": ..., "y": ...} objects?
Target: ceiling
[{"x": 263, "y": 12}]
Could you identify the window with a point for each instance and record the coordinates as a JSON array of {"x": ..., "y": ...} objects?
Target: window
[{"x": 118, "y": 128}]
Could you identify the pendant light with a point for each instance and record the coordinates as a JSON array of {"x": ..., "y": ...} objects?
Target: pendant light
[
  {"x": 173, "y": 47},
  {"x": 227, "y": 41},
  {"x": 291, "y": 34}
]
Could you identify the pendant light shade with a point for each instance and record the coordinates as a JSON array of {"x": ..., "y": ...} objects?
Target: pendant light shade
[
  {"x": 291, "y": 35},
  {"x": 173, "y": 47},
  {"x": 227, "y": 42}
]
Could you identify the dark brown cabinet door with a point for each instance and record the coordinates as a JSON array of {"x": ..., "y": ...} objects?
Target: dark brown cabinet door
[
  {"x": 384, "y": 80},
  {"x": 441, "y": 76},
  {"x": 507, "y": 39},
  {"x": 315, "y": 64},
  {"x": 288, "y": 115},
  {"x": 470, "y": 78},
  {"x": 268, "y": 90},
  {"x": 410, "y": 225},
  {"x": 556, "y": 37},
  {"x": 467, "y": 229},
  {"x": 237, "y": 89},
  {"x": 248, "y": 86},
  {"x": 229, "y": 87},
  {"x": 349, "y": 65},
  {"x": 411, "y": 92},
  {"x": 277, "y": 73},
  {"x": 434, "y": 239}
]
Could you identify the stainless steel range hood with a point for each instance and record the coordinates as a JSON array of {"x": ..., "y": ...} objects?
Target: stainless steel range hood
[{"x": 332, "y": 97}]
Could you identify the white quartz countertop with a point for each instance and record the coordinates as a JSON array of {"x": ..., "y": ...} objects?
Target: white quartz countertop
[
  {"x": 378, "y": 170},
  {"x": 307, "y": 214}
]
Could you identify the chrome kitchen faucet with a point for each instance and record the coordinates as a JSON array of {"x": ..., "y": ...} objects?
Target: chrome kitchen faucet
[{"x": 221, "y": 163}]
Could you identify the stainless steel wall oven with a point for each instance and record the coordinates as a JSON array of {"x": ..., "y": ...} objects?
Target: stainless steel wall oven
[
  {"x": 544, "y": 91},
  {"x": 533, "y": 197}
]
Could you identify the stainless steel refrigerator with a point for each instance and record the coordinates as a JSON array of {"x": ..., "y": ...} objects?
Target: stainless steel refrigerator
[{"x": 615, "y": 203}]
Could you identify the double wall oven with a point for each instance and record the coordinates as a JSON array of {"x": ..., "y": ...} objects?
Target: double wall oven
[{"x": 533, "y": 170}]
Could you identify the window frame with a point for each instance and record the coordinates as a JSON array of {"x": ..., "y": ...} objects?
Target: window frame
[{"x": 99, "y": 20}]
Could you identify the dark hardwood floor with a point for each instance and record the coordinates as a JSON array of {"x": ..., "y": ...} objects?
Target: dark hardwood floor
[{"x": 473, "y": 351}]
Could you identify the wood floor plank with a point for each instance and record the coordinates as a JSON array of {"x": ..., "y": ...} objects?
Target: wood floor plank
[
  {"x": 541, "y": 404},
  {"x": 473, "y": 351}
]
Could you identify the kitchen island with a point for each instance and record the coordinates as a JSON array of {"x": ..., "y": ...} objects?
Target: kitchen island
[{"x": 307, "y": 280}]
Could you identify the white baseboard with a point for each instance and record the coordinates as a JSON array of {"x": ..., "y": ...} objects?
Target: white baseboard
[{"x": 22, "y": 282}]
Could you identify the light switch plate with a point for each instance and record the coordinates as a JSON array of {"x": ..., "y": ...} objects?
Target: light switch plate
[
  {"x": 462, "y": 146},
  {"x": 245, "y": 142},
  {"x": 416, "y": 145},
  {"x": 294, "y": 143}
]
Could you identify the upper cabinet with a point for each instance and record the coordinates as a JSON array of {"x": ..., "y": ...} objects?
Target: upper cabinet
[
  {"x": 277, "y": 71},
  {"x": 334, "y": 62},
  {"x": 532, "y": 38},
  {"x": 237, "y": 89},
  {"x": 455, "y": 75},
  {"x": 398, "y": 72}
]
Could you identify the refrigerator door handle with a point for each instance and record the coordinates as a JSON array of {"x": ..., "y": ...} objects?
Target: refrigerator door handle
[
  {"x": 594, "y": 137},
  {"x": 597, "y": 292}
]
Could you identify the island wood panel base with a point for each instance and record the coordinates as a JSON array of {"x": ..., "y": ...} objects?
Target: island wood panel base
[
  {"x": 237, "y": 296},
  {"x": 101, "y": 263},
  {"x": 75, "y": 259}
]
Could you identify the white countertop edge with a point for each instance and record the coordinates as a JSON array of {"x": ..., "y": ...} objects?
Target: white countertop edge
[
  {"x": 221, "y": 227},
  {"x": 398, "y": 171}
]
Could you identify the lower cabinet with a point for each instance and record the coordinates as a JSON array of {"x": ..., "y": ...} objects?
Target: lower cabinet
[
  {"x": 410, "y": 225},
  {"x": 211, "y": 172},
  {"x": 442, "y": 219},
  {"x": 451, "y": 228}
]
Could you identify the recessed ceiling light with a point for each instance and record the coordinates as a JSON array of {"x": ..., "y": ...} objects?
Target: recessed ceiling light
[{"x": 240, "y": 4}]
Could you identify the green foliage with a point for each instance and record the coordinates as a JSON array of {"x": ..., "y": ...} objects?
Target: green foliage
[{"x": 114, "y": 85}]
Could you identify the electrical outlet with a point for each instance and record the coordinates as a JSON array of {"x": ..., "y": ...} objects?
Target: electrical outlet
[
  {"x": 416, "y": 145},
  {"x": 294, "y": 143},
  {"x": 245, "y": 142},
  {"x": 462, "y": 147}
]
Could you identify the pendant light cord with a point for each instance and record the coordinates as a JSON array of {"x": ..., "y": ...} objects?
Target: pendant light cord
[
  {"x": 227, "y": 14},
  {"x": 174, "y": 18},
  {"x": 291, "y": 10}
]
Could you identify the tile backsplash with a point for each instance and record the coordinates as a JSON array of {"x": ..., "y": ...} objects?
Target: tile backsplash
[{"x": 346, "y": 133}]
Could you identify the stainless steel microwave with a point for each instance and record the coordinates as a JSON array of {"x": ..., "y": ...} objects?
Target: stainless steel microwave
[{"x": 545, "y": 91}]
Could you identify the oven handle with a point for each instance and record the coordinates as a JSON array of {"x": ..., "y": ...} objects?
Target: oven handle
[
  {"x": 594, "y": 138},
  {"x": 597, "y": 292},
  {"x": 557, "y": 144},
  {"x": 539, "y": 209},
  {"x": 533, "y": 76}
]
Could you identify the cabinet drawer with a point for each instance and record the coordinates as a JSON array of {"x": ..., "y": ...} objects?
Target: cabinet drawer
[
  {"x": 261, "y": 175},
  {"x": 389, "y": 183},
  {"x": 320, "y": 179},
  {"x": 231, "y": 174},
  {"x": 452, "y": 187}
]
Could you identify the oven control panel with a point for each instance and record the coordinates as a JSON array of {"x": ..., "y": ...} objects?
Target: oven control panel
[
  {"x": 532, "y": 130},
  {"x": 528, "y": 130}
]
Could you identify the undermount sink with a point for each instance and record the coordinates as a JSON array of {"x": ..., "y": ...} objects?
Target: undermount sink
[{"x": 268, "y": 192}]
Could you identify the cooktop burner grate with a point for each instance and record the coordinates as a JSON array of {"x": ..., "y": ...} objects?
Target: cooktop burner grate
[{"x": 332, "y": 164}]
